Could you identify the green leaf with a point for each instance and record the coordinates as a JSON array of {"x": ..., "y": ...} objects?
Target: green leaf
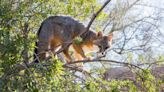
[{"x": 78, "y": 40}]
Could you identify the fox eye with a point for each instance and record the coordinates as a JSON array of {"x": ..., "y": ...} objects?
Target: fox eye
[
  {"x": 99, "y": 46},
  {"x": 106, "y": 47}
]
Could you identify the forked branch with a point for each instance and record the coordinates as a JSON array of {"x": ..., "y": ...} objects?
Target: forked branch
[{"x": 94, "y": 16}]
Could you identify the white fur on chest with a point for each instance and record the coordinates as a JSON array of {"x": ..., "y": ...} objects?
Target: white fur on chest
[{"x": 87, "y": 49}]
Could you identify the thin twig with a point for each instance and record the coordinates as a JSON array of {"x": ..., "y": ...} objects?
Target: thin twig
[
  {"x": 101, "y": 60},
  {"x": 94, "y": 16}
]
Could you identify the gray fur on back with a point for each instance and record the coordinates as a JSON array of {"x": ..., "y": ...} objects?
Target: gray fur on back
[{"x": 64, "y": 26}]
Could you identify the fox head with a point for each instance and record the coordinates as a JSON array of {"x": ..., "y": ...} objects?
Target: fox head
[{"x": 103, "y": 42}]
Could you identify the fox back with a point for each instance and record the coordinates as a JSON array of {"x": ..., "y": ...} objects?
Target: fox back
[{"x": 60, "y": 30}]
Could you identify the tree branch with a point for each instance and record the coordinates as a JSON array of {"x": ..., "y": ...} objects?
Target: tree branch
[
  {"x": 95, "y": 15},
  {"x": 101, "y": 60}
]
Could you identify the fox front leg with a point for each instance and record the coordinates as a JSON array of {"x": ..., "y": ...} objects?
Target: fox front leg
[{"x": 79, "y": 53}]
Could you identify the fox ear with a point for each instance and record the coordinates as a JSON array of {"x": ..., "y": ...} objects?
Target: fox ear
[
  {"x": 99, "y": 34},
  {"x": 110, "y": 36}
]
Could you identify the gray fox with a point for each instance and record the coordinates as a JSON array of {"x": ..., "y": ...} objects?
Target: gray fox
[{"x": 60, "y": 30}]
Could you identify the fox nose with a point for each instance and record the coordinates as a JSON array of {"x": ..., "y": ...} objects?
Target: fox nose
[{"x": 103, "y": 53}]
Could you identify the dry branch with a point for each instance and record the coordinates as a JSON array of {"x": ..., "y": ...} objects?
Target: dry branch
[
  {"x": 109, "y": 61},
  {"x": 95, "y": 15}
]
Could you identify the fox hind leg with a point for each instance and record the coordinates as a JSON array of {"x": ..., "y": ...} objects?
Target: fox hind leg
[{"x": 67, "y": 56}]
